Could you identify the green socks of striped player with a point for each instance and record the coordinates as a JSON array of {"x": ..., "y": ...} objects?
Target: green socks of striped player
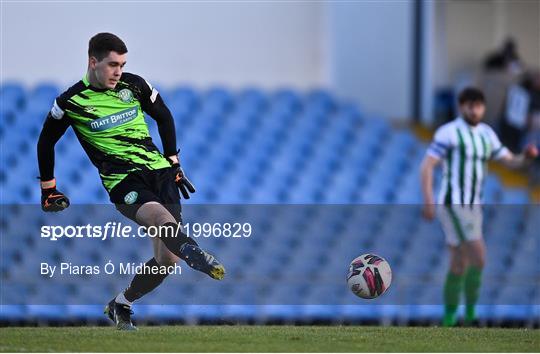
[
  {"x": 452, "y": 292},
  {"x": 473, "y": 279},
  {"x": 470, "y": 282}
]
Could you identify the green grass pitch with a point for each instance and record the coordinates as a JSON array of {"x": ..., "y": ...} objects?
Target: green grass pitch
[{"x": 269, "y": 339}]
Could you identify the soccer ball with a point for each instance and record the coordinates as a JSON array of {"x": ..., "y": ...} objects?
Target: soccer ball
[{"x": 369, "y": 276}]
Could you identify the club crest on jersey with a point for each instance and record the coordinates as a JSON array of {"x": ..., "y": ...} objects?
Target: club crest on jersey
[
  {"x": 125, "y": 95},
  {"x": 131, "y": 197}
]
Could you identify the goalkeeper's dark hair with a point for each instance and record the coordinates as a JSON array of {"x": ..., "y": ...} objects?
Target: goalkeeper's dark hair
[
  {"x": 471, "y": 94},
  {"x": 103, "y": 43}
]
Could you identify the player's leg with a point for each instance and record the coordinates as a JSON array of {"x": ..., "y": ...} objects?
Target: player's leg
[
  {"x": 190, "y": 252},
  {"x": 147, "y": 214},
  {"x": 172, "y": 235},
  {"x": 142, "y": 284},
  {"x": 129, "y": 196},
  {"x": 172, "y": 243},
  {"x": 476, "y": 254},
  {"x": 453, "y": 285},
  {"x": 154, "y": 214}
]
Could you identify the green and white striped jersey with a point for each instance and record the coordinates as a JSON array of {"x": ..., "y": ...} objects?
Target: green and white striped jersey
[{"x": 465, "y": 150}]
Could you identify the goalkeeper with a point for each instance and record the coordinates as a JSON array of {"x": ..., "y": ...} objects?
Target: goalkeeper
[{"x": 106, "y": 111}]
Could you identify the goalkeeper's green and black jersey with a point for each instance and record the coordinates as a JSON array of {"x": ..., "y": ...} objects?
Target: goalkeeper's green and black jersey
[{"x": 110, "y": 125}]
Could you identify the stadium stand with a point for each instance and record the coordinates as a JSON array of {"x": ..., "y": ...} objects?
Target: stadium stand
[{"x": 254, "y": 147}]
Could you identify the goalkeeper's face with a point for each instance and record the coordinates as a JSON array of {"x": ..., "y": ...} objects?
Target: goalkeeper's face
[{"x": 108, "y": 70}]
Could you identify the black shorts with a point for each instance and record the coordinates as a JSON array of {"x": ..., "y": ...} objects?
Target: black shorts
[{"x": 141, "y": 187}]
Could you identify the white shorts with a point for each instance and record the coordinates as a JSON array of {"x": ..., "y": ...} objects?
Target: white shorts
[{"x": 461, "y": 223}]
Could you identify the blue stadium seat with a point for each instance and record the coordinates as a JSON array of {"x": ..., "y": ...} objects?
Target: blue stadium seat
[
  {"x": 161, "y": 312},
  {"x": 46, "y": 312},
  {"x": 84, "y": 312},
  {"x": 13, "y": 96},
  {"x": 46, "y": 91},
  {"x": 359, "y": 312},
  {"x": 196, "y": 313},
  {"x": 219, "y": 99},
  {"x": 13, "y": 313},
  {"x": 277, "y": 312},
  {"x": 318, "y": 312},
  {"x": 251, "y": 101}
]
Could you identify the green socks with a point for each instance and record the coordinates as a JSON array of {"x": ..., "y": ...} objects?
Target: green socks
[
  {"x": 452, "y": 291},
  {"x": 472, "y": 289}
]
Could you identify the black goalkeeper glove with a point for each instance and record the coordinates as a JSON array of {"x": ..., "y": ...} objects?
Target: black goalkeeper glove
[
  {"x": 52, "y": 200},
  {"x": 181, "y": 181}
]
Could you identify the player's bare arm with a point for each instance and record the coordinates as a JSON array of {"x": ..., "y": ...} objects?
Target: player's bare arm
[
  {"x": 515, "y": 161},
  {"x": 426, "y": 179}
]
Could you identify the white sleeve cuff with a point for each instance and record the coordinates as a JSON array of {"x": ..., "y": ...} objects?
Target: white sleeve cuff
[{"x": 56, "y": 111}]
